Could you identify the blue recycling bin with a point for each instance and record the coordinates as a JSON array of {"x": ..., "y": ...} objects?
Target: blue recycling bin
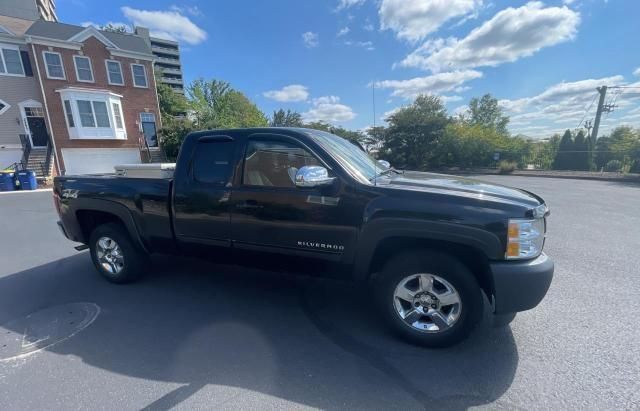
[
  {"x": 6, "y": 181},
  {"x": 27, "y": 180}
]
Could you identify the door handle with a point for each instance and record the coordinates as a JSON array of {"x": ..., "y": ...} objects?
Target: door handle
[{"x": 249, "y": 204}]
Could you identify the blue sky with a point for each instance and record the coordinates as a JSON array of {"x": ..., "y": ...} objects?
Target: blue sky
[{"x": 541, "y": 59}]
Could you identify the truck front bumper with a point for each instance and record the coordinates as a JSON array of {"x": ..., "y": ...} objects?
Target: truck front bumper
[{"x": 520, "y": 285}]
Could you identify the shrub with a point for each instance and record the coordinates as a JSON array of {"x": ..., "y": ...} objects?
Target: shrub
[
  {"x": 613, "y": 165},
  {"x": 507, "y": 167}
]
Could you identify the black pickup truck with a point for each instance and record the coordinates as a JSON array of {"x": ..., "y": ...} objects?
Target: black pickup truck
[{"x": 430, "y": 247}]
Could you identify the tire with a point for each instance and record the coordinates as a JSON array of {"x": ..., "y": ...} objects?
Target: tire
[
  {"x": 114, "y": 255},
  {"x": 440, "y": 316}
]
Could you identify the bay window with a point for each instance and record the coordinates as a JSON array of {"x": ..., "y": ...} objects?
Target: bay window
[{"x": 93, "y": 114}]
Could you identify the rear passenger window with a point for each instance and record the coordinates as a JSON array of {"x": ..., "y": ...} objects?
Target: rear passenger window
[{"x": 212, "y": 162}]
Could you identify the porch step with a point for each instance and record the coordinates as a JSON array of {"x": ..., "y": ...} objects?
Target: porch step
[
  {"x": 37, "y": 162},
  {"x": 157, "y": 156}
]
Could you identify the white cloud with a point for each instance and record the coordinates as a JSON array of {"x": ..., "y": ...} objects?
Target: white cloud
[
  {"x": 329, "y": 109},
  {"x": 413, "y": 20},
  {"x": 192, "y": 10},
  {"x": 511, "y": 34},
  {"x": 434, "y": 84},
  {"x": 565, "y": 105},
  {"x": 343, "y": 32},
  {"x": 171, "y": 25},
  {"x": 291, "y": 93},
  {"x": 345, "y": 4},
  {"x": 364, "y": 44},
  {"x": 636, "y": 72},
  {"x": 310, "y": 39},
  {"x": 368, "y": 27}
]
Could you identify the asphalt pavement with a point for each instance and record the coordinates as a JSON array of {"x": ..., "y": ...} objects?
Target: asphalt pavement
[{"x": 194, "y": 335}]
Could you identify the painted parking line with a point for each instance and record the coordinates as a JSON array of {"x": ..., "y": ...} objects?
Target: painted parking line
[{"x": 40, "y": 190}]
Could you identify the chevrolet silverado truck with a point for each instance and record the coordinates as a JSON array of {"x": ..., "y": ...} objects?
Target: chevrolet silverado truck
[{"x": 432, "y": 249}]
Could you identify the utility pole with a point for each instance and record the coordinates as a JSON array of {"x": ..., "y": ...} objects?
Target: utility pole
[{"x": 594, "y": 135}]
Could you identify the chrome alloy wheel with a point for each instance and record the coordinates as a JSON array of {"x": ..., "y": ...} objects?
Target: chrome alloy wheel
[
  {"x": 110, "y": 255},
  {"x": 428, "y": 303}
]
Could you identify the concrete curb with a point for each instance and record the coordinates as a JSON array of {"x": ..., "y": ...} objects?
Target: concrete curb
[{"x": 621, "y": 179}]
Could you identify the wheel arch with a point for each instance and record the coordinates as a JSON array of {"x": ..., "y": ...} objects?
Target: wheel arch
[
  {"x": 91, "y": 213},
  {"x": 472, "y": 246}
]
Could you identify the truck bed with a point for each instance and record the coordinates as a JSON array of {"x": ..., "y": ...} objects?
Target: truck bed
[{"x": 147, "y": 200}]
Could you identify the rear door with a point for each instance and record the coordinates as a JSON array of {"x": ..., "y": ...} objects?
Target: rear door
[{"x": 201, "y": 197}]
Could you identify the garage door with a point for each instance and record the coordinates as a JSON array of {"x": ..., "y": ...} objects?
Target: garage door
[{"x": 97, "y": 160}]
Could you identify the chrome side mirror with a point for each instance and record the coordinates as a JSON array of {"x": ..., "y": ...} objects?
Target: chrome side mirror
[
  {"x": 313, "y": 176},
  {"x": 384, "y": 163}
]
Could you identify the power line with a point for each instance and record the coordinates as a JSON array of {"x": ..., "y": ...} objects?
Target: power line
[{"x": 587, "y": 110}]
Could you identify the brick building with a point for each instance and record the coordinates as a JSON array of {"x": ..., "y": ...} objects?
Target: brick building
[{"x": 99, "y": 96}]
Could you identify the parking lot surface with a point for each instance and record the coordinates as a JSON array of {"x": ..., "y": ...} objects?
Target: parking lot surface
[{"x": 194, "y": 335}]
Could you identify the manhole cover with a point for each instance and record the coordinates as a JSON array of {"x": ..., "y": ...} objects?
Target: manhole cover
[{"x": 44, "y": 328}]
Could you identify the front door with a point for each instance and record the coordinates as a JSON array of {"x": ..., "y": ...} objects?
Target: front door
[
  {"x": 272, "y": 215},
  {"x": 148, "y": 121},
  {"x": 36, "y": 126}
]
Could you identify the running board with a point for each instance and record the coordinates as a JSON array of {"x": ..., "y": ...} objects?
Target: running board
[{"x": 81, "y": 247}]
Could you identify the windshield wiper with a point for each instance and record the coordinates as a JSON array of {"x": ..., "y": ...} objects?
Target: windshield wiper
[{"x": 385, "y": 172}]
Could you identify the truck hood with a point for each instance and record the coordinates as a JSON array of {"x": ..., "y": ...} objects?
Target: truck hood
[{"x": 431, "y": 182}]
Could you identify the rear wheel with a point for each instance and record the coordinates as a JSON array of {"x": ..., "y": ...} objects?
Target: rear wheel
[
  {"x": 429, "y": 298},
  {"x": 114, "y": 255}
]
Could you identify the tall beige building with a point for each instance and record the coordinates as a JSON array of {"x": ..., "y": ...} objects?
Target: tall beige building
[{"x": 29, "y": 9}]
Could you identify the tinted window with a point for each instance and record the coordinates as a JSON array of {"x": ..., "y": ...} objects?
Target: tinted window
[
  {"x": 212, "y": 162},
  {"x": 274, "y": 163}
]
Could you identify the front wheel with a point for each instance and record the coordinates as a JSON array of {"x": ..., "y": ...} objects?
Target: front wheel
[
  {"x": 429, "y": 298},
  {"x": 114, "y": 255}
]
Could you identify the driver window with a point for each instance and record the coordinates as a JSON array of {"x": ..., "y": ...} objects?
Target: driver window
[{"x": 274, "y": 163}]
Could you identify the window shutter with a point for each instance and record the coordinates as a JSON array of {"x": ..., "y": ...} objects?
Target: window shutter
[{"x": 26, "y": 63}]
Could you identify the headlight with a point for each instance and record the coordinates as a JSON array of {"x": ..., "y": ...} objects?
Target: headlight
[{"x": 525, "y": 238}]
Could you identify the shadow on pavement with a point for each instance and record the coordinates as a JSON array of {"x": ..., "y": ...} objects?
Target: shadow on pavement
[{"x": 314, "y": 342}]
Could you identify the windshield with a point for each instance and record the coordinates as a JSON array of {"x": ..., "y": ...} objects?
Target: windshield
[{"x": 351, "y": 157}]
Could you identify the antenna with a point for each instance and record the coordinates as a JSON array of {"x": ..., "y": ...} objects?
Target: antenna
[{"x": 373, "y": 100}]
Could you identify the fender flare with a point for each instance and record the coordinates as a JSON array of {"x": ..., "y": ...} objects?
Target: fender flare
[
  {"x": 378, "y": 230},
  {"x": 109, "y": 207}
]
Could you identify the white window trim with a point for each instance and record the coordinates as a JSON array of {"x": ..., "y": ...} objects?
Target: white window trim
[
  {"x": 75, "y": 65},
  {"x": 133, "y": 76},
  {"x": 106, "y": 66},
  {"x": 11, "y": 47},
  {"x": 120, "y": 113},
  {"x": 46, "y": 66},
  {"x": 66, "y": 114},
  {"x": 6, "y": 107},
  {"x": 79, "y": 132}
]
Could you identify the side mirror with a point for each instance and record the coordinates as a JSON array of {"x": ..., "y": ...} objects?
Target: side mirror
[
  {"x": 313, "y": 176},
  {"x": 384, "y": 163}
]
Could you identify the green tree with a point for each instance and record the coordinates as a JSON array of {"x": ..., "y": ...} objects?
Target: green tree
[
  {"x": 287, "y": 118},
  {"x": 171, "y": 103},
  {"x": 486, "y": 112},
  {"x": 215, "y": 104},
  {"x": 414, "y": 132},
  {"x": 172, "y": 135},
  {"x": 115, "y": 28},
  {"x": 581, "y": 157},
  {"x": 563, "y": 160},
  {"x": 354, "y": 136}
]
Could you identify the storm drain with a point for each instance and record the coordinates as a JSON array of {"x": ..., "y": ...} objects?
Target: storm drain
[{"x": 44, "y": 328}]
